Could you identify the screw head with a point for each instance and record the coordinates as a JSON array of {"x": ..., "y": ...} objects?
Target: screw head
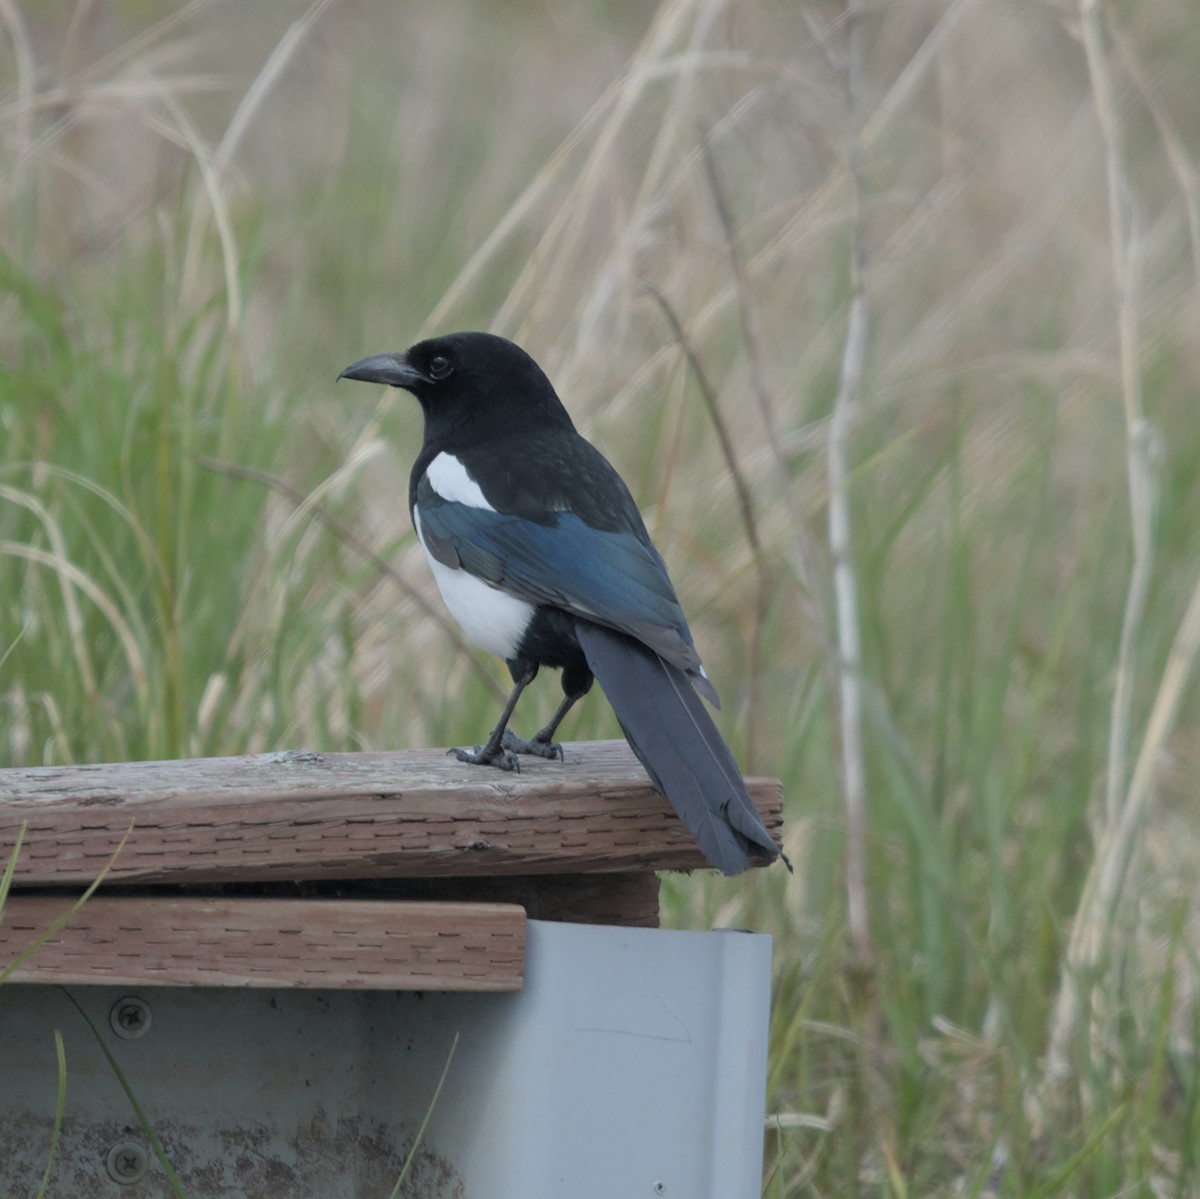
[
  {"x": 130, "y": 1017},
  {"x": 127, "y": 1163},
  {"x": 660, "y": 1188}
]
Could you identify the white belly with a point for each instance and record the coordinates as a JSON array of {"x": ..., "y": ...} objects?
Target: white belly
[{"x": 492, "y": 619}]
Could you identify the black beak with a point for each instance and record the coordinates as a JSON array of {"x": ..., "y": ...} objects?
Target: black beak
[{"x": 392, "y": 369}]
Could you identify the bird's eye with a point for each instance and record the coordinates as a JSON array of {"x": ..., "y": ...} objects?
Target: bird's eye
[{"x": 440, "y": 366}]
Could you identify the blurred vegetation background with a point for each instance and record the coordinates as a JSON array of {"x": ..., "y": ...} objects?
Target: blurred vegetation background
[{"x": 683, "y": 211}]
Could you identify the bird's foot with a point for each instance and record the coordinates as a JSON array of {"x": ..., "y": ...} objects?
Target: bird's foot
[
  {"x": 539, "y": 746},
  {"x": 487, "y": 755}
]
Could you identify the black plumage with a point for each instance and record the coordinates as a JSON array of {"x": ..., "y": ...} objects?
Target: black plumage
[{"x": 542, "y": 555}]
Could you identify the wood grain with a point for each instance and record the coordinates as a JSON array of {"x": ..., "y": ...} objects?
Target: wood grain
[
  {"x": 302, "y": 815},
  {"x": 337, "y": 943}
]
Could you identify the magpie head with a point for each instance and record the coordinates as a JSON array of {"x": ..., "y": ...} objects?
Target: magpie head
[{"x": 467, "y": 378}]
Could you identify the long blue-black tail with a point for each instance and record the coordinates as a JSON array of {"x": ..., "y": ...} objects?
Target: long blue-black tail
[{"x": 670, "y": 730}]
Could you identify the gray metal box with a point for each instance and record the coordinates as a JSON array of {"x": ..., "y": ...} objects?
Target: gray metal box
[{"x": 633, "y": 1063}]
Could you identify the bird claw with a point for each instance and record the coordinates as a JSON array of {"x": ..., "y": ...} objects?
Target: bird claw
[
  {"x": 550, "y": 750},
  {"x": 501, "y": 758}
]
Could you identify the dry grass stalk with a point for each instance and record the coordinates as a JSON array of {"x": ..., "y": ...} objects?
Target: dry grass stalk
[
  {"x": 1125, "y": 804},
  {"x": 69, "y": 573},
  {"x": 74, "y": 617},
  {"x": 616, "y": 104},
  {"x": 347, "y": 536},
  {"x": 10, "y": 14},
  {"x": 845, "y": 582},
  {"x": 749, "y": 522},
  {"x": 214, "y": 165},
  {"x": 264, "y": 81},
  {"x": 1182, "y": 166}
]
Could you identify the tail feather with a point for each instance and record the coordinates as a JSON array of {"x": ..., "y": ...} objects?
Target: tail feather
[{"x": 671, "y": 732}]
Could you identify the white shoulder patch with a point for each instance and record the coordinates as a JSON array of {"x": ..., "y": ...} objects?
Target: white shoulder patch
[
  {"x": 493, "y": 619},
  {"x": 449, "y": 478}
]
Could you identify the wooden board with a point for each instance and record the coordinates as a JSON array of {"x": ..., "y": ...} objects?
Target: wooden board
[
  {"x": 303, "y": 815},
  {"x": 369, "y": 944}
]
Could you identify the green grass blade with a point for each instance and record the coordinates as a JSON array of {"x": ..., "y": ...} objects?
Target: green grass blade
[
  {"x": 60, "y": 1104},
  {"x": 65, "y": 918},
  {"x": 412, "y": 1153},
  {"x": 143, "y": 1120},
  {"x": 1058, "y": 1179},
  {"x": 10, "y": 868}
]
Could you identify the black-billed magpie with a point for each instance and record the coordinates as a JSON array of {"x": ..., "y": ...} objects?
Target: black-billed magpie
[{"x": 542, "y": 557}]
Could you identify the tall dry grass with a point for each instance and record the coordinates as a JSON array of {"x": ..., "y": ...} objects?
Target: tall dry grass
[{"x": 888, "y": 314}]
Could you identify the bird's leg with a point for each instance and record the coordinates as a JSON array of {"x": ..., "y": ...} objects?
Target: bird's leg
[
  {"x": 542, "y": 743},
  {"x": 494, "y": 753},
  {"x": 577, "y": 682}
]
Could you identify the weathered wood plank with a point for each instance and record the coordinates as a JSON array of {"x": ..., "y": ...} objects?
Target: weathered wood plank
[
  {"x": 368, "y": 944},
  {"x": 301, "y": 815}
]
